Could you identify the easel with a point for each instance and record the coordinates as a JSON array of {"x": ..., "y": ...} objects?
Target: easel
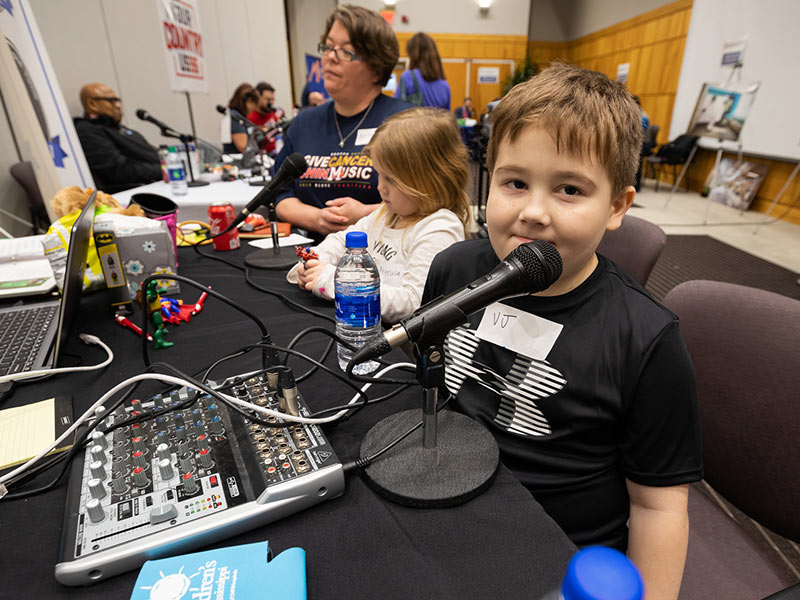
[{"x": 735, "y": 71}]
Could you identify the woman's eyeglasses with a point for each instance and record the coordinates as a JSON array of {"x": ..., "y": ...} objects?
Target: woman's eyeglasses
[{"x": 341, "y": 53}]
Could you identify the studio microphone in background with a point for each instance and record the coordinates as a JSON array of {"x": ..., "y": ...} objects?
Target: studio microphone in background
[
  {"x": 530, "y": 268},
  {"x": 146, "y": 116},
  {"x": 236, "y": 116},
  {"x": 291, "y": 168}
]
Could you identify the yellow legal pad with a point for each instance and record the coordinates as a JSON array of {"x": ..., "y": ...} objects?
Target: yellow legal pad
[{"x": 27, "y": 430}]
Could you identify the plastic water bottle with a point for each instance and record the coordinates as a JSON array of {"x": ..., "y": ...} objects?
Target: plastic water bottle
[
  {"x": 176, "y": 172},
  {"x": 357, "y": 286},
  {"x": 599, "y": 573}
]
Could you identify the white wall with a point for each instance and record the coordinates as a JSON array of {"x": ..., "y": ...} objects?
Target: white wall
[
  {"x": 772, "y": 128},
  {"x": 12, "y": 196},
  {"x": 118, "y": 43},
  {"x": 306, "y": 23}
]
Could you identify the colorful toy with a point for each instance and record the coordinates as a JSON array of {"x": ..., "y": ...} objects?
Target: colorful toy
[
  {"x": 125, "y": 322},
  {"x": 154, "y": 310},
  {"x": 306, "y": 253}
]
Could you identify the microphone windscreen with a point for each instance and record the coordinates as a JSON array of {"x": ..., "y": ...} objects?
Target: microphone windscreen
[
  {"x": 295, "y": 165},
  {"x": 221, "y": 109},
  {"x": 142, "y": 114},
  {"x": 541, "y": 261}
]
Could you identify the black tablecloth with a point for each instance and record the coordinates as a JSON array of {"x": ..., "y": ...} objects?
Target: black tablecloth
[{"x": 499, "y": 545}]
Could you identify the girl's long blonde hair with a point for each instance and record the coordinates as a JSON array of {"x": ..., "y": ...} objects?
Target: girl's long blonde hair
[{"x": 421, "y": 149}]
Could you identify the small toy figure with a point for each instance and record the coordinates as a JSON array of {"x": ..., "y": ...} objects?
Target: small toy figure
[
  {"x": 154, "y": 310},
  {"x": 306, "y": 253}
]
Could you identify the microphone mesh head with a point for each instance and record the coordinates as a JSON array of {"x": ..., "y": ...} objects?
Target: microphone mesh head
[{"x": 542, "y": 263}]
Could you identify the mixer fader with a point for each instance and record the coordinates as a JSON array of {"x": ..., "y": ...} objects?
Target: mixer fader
[{"x": 196, "y": 473}]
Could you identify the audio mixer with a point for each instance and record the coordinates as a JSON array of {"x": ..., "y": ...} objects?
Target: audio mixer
[{"x": 195, "y": 474}]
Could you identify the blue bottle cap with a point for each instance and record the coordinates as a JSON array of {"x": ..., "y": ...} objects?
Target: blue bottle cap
[
  {"x": 356, "y": 239},
  {"x": 598, "y": 573}
]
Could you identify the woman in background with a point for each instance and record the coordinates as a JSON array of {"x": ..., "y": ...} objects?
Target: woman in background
[
  {"x": 243, "y": 102},
  {"x": 424, "y": 83}
]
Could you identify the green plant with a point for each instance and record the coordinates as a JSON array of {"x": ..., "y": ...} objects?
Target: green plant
[{"x": 522, "y": 72}]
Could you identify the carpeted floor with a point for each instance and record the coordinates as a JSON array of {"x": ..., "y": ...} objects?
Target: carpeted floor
[{"x": 687, "y": 257}]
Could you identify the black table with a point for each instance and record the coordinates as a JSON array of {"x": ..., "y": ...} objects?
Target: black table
[{"x": 500, "y": 545}]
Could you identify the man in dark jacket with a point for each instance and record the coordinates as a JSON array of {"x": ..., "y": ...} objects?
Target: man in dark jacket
[{"x": 118, "y": 157}]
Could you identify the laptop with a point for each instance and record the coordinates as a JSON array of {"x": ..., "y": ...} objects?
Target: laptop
[{"x": 33, "y": 335}]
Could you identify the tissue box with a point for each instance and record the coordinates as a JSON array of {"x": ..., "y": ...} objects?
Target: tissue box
[{"x": 146, "y": 251}]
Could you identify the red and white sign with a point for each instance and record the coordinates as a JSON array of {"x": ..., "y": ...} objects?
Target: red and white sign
[{"x": 182, "y": 39}]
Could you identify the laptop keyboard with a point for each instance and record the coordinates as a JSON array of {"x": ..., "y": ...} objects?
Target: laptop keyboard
[{"x": 21, "y": 335}]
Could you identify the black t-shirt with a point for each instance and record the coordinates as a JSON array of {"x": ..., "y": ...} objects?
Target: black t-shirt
[{"x": 613, "y": 398}]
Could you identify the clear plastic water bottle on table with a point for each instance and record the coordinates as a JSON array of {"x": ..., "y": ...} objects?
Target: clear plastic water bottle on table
[
  {"x": 357, "y": 286},
  {"x": 599, "y": 573},
  {"x": 176, "y": 172}
]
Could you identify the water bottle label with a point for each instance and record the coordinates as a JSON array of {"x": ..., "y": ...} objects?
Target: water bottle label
[
  {"x": 176, "y": 173},
  {"x": 359, "y": 311}
]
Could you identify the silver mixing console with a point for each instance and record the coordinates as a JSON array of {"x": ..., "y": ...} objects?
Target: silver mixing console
[{"x": 188, "y": 478}]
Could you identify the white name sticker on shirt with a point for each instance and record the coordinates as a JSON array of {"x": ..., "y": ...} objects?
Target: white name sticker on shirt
[
  {"x": 520, "y": 331},
  {"x": 364, "y": 136}
]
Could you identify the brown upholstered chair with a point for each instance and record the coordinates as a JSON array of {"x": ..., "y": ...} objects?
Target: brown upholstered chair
[
  {"x": 745, "y": 346},
  {"x": 635, "y": 246}
]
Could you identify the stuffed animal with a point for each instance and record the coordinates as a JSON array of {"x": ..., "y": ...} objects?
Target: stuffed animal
[{"x": 70, "y": 199}]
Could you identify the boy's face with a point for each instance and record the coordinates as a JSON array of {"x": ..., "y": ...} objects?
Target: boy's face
[{"x": 538, "y": 194}]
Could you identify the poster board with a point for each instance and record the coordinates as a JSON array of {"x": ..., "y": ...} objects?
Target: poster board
[
  {"x": 737, "y": 183},
  {"x": 721, "y": 110}
]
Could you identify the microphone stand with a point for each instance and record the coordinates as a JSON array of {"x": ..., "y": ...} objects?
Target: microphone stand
[
  {"x": 185, "y": 139},
  {"x": 458, "y": 457},
  {"x": 274, "y": 260},
  {"x": 260, "y": 141}
]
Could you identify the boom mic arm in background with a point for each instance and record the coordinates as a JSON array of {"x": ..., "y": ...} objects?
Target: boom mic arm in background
[
  {"x": 281, "y": 126},
  {"x": 169, "y": 132}
]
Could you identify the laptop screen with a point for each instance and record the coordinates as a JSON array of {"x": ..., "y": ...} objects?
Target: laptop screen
[{"x": 77, "y": 255}]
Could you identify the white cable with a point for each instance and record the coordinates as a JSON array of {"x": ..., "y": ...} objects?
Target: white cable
[
  {"x": 309, "y": 420},
  {"x": 178, "y": 381},
  {"x": 87, "y": 339}
]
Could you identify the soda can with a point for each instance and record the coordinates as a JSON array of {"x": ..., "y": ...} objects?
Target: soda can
[{"x": 220, "y": 216}]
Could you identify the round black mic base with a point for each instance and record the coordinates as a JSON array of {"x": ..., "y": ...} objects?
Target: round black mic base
[
  {"x": 461, "y": 466},
  {"x": 197, "y": 183},
  {"x": 267, "y": 259}
]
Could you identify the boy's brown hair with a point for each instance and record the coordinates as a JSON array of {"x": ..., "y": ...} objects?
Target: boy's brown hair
[
  {"x": 586, "y": 113},
  {"x": 371, "y": 36}
]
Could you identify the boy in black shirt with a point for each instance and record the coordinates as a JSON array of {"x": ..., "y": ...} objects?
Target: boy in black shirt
[{"x": 587, "y": 386}]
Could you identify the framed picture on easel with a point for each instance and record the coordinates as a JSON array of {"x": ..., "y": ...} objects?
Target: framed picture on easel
[
  {"x": 722, "y": 110},
  {"x": 737, "y": 183}
]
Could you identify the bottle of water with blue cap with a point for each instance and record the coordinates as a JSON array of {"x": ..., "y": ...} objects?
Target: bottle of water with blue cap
[
  {"x": 599, "y": 573},
  {"x": 357, "y": 287}
]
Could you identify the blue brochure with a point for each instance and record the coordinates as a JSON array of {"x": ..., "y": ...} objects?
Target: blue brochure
[{"x": 236, "y": 573}]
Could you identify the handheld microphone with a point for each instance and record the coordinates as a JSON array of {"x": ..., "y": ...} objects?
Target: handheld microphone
[
  {"x": 146, "y": 116},
  {"x": 291, "y": 168},
  {"x": 529, "y": 268}
]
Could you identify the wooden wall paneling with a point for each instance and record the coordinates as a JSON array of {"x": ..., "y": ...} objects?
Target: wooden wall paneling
[
  {"x": 483, "y": 93},
  {"x": 456, "y": 75}
]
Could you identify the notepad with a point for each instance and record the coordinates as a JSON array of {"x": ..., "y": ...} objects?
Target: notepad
[
  {"x": 24, "y": 270},
  {"x": 26, "y": 430}
]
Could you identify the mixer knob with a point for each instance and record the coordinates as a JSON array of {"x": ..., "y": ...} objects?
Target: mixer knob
[
  {"x": 166, "y": 470},
  {"x": 137, "y": 429},
  {"x": 158, "y": 402},
  {"x": 179, "y": 420},
  {"x": 119, "y": 413},
  {"x": 97, "y": 489},
  {"x": 204, "y": 458},
  {"x": 99, "y": 439},
  {"x": 162, "y": 439},
  {"x": 136, "y": 404},
  {"x": 97, "y": 470},
  {"x": 119, "y": 437},
  {"x": 212, "y": 410},
  {"x": 161, "y": 424},
  {"x": 185, "y": 461},
  {"x": 199, "y": 427},
  {"x": 180, "y": 433},
  {"x": 98, "y": 454},
  {"x": 215, "y": 426},
  {"x": 202, "y": 442},
  {"x": 206, "y": 400},
  {"x": 118, "y": 485},
  {"x": 139, "y": 477},
  {"x": 139, "y": 460},
  {"x": 138, "y": 444},
  {"x": 162, "y": 450},
  {"x": 183, "y": 447},
  {"x": 95, "y": 510},
  {"x": 189, "y": 484}
]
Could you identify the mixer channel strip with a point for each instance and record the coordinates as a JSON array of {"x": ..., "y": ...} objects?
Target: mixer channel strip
[{"x": 197, "y": 473}]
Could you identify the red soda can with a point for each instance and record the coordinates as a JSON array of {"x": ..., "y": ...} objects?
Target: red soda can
[{"x": 220, "y": 216}]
